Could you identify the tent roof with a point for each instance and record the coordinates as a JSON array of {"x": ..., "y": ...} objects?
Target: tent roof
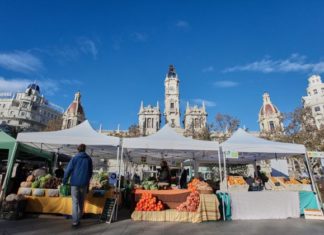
[
  {"x": 168, "y": 144},
  {"x": 253, "y": 147},
  {"x": 24, "y": 151},
  {"x": 65, "y": 141}
]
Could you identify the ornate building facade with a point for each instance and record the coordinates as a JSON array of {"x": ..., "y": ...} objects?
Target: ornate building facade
[
  {"x": 270, "y": 118},
  {"x": 149, "y": 117},
  {"x": 27, "y": 110},
  {"x": 315, "y": 99},
  {"x": 74, "y": 114}
]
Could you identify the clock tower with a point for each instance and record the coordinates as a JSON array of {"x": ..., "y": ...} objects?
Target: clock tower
[{"x": 172, "y": 101}]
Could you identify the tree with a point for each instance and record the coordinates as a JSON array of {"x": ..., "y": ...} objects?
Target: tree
[
  {"x": 134, "y": 131},
  {"x": 54, "y": 125},
  {"x": 225, "y": 126},
  {"x": 203, "y": 134}
]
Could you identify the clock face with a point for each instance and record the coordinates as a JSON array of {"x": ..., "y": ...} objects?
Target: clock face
[{"x": 171, "y": 88}]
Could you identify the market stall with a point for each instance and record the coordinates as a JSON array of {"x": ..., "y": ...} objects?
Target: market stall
[
  {"x": 13, "y": 151},
  {"x": 195, "y": 205},
  {"x": 281, "y": 197},
  {"x": 66, "y": 141},
  {"x": 178, "y": 205}
]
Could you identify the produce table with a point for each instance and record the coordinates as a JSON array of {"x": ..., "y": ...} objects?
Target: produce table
[
  {"x": 172, "y": 198},
  {"x": 265, "y": 205},
  {"x": 207, "y": 211},
  {"x": 63, "y": 205}
]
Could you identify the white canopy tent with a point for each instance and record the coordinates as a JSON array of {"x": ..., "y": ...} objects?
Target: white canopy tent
[
  {"x": 167, "y": 144},
  {"x": 243, "y": 148},
  {"x": 66, "y": 141},
  {"x": 251, "y": 148}
]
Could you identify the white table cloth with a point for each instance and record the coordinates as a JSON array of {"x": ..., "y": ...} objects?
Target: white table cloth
[{"x": 264, "y": 205}]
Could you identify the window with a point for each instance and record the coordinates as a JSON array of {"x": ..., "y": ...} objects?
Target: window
[
  {"x": 172, "y": 105},
  {"x": 149, "y": 123},
  {"x": 322, "y": 90},
  {"x": 317, "y": 109},
  {"x": 197, "y": 123},
  {"x": 20, "y": 122},
  {"x": 24, "y": 104},
  {"x": 315, "y": 91},
  {"x": 22, "y": 113},
  {"x": 69, "y": 123},
  {"x": 3, "y": 106},
  {"x": 272, "y": 127}
]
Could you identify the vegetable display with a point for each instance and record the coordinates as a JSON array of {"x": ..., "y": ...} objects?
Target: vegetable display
[
  {"x": 48, "y": 182},
  {"x": 149, "y": 185},
  {"x": 99, "y": 181},
  {"x": 149, "y": 203},
  {"x": 191, "y": 204}
]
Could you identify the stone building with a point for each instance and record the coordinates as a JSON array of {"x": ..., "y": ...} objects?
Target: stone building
[
  {"x": 149, "y": 119},
  {"x": 270, "y": 118},
  {"x": 27, "y": 110},
  {"x": 315, "y": 99},
  {"x": 195, "y": 117},
  {"x": 74, "y": 114}
]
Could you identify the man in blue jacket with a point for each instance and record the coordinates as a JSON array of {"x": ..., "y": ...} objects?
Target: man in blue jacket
[{"x": 80, "y": 171}]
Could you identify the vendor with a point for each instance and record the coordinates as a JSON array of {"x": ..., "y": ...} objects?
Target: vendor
[
  {"x": 164, "y": 177},
  {"x": 260, "y": 176}
]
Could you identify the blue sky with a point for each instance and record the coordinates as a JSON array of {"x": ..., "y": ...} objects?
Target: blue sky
[{"x": 117, "y": 53}]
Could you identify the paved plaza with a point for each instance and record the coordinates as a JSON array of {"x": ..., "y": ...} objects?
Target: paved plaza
[{"x": 58, "y": 225}]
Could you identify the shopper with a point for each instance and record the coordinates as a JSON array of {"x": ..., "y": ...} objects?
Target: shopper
[{"x": 80, "y": 171}]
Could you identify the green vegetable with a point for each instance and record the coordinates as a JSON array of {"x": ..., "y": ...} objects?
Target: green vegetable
[{"x": 35, "y": 184}]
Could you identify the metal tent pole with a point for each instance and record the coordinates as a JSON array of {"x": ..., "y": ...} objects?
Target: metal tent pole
[{"x": 119, "y": 181}]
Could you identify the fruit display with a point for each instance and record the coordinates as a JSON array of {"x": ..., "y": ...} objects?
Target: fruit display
[
  {"x": 99, "y": 181},
  {"x": 291, "y": 181},
  {"x": 196, "y": 184},
  {"x": 191, "y": 204},
  {"x": 149, "y": 203},
  {"x": 235, "y": 180},
  {"x": 149, "y": 185},
  {"x": 305, "y": 181}
]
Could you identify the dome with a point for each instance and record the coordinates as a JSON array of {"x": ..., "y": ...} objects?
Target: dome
[
  {"x": 72, "y": 108},
  {"x": 268, "y": 109},
  {"x": 34, "y": 86}
]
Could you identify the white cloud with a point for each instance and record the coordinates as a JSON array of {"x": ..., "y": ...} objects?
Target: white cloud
[
  {"x": 47, "y": 86},
  {"x": 139, "y": 37},
  {"x": 208, "y": 103},
  {"x": 20, "y": 62},
  {"x": 13, "y": 85},
  {"x": 88, "y": 46},
  {"x": 183, "y": 24},
  {"x": 294, "y": 63},
  {"x": 226, "y": 84},
  {"x": 208, "y": 69}
]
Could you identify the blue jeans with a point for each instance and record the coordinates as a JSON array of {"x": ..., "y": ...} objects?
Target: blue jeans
[{"x": 78, "y": 194}]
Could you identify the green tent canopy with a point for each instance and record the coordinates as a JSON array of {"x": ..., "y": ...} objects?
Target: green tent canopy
[{"x": 11, "y": 150}]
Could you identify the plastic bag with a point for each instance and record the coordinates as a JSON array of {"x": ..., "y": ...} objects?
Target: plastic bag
[{"x": 65, "y": 190}]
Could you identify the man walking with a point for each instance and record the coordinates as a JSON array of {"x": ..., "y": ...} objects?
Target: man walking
[{"x": 80, "y": 171}]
